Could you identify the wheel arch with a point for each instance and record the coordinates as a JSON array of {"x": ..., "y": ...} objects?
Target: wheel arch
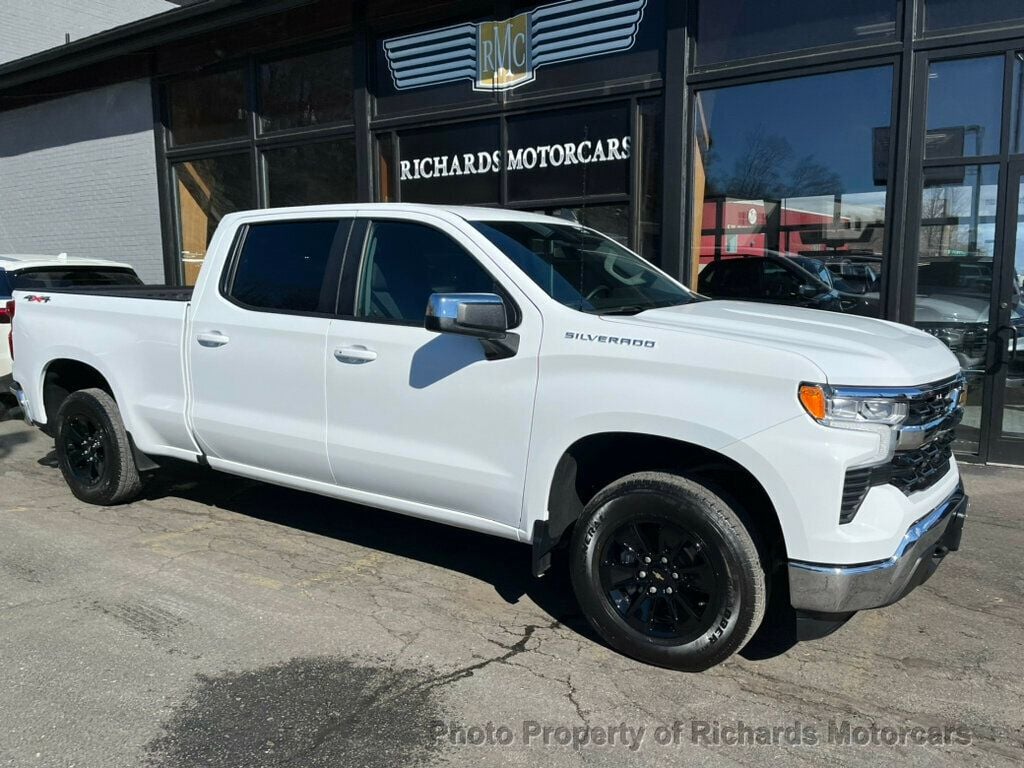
[
  {"x": 63, "y": 376},
  {"x": 594, "y": 461}
]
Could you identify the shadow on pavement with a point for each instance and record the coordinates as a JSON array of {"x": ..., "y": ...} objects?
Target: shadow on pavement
[
  {"x": 503, "y": 564},
  {"x": 9, "y": 441}
]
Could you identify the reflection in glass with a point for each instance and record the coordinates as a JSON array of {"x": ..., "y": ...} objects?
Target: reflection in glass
[
  {"x": 310, "y": 90},
  {"x": 965, "y": 99},
  {"x": 947, "y": 14},
  {"x": 745, "y": 28},
  {"x": 1013, "y": 401},
  {"x": 790, "y": 181},
  {"x": 611, "y": 220},
  {"x": 955, "y": 271},
  {"x": 311, "y": 174},
  {"x": 1017, "y": 105},
  {"x": 649, "y": 186},
  {"x": 208, "y": 190},
  {"x": 208, "y": 108}
]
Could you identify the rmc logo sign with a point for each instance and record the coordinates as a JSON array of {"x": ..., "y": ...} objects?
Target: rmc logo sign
[{"x": 502, "y": 55}]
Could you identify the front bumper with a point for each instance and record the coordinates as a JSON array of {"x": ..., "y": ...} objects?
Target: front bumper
[{"x": 844, "y": 588}]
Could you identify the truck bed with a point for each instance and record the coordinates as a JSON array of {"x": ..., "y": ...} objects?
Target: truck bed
[{"x": 152, "y": 292}]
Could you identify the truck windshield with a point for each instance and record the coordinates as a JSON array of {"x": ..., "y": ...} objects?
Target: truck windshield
[
  {"x": 42, "y": 278},
  {"x": 583, "y": 269}
]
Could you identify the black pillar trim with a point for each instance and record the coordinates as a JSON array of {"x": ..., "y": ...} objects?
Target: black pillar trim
[
  {"x": 362, "y": 49},
  {"x": 674, "y": 183}
]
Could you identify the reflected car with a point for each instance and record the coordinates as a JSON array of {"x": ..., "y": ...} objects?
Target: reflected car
[{"x": 781, "y": 278}]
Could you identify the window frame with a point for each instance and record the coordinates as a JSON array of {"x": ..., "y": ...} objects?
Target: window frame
[
  {"x": 332, "y": 274},
  {"x": 353, "y": 272}
]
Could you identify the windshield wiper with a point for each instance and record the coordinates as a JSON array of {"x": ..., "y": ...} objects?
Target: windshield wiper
[{"x": 632, "y": 310}]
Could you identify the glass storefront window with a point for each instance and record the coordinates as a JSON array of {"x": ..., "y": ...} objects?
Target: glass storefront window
[
  {"x": 451, "y": 164},
  {"x": 311, "y": 174},
  {"x": 208, "y": 190},
  {"x": 965, "y": 99},
  {"x": 611, "y": 220},
  {"x": 648, "y": 205},
  {"x": 208, "y": 108},
  {"x": 948, "y": 14},
  {"x": 955, "y": 272},
  {"x": 310, "y": 90},
  {"x": 1017, "y": 105},
  {"x": 789, "y": 182},
  {"x": 572, "y": 153},
  {"x": 746, "y": 29},
  {"x": 386, "y": 186}
]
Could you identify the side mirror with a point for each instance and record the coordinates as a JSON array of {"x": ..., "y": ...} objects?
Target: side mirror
[{"x": 470, "y": 314}]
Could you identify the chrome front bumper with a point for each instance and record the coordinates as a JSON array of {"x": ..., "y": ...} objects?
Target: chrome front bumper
[{"x": 844, "y": 588}]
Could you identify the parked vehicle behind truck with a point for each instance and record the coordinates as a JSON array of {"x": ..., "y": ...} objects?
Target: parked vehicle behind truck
[{"x": 525, "y": 377}]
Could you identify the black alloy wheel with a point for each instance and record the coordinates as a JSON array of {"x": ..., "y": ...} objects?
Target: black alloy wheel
[
  {"x": 664, "y": 580},
  {"x": 86, "y": 445}
]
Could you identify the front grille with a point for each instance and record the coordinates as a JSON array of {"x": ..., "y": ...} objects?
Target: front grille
[
  {"x": 918, "y": 469},
  {"x": 913, "y": 471},
  {"x": 932, "y": 404}
]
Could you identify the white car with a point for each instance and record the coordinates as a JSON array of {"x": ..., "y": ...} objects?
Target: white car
[
  {"x": 526, "y": 377},
  {"x": 28, "y": 272}
]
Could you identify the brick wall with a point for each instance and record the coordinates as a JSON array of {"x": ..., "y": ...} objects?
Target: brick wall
[
  {"x": 30, "y": 26},
  {"x": 78, "y": 174}
]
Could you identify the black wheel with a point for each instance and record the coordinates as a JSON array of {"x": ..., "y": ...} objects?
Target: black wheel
[
  {"x": 93, "y": 450},
  {"x": 667, "y": 573}
]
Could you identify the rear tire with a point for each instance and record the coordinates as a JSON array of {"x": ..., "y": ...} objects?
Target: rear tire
[
  {"x": 667, "y": 572},
  {"x": 93, "y": 450}
]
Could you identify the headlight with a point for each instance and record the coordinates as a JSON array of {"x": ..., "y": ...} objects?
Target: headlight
[
  {"x": 833, "y": 410},
  {"x": 868, "y": 413}
]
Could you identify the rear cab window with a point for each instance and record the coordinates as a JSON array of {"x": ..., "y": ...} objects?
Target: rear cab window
[{"x": 44, "y": 278}]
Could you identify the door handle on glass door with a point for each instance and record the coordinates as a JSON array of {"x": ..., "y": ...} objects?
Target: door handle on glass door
[
  {"x": 214, "y": 339},
  {"x": 357, "y": 354}
]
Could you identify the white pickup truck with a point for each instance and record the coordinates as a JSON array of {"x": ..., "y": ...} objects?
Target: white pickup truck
[{"x": 526, "y": 377}]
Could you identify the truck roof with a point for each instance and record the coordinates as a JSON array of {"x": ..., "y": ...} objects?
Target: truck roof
[
  {"x": 466, "y": 212},
  {"x": 15, "y": 262}
]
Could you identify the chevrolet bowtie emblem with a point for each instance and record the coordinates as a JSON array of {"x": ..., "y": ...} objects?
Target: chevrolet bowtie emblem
[{"x": 501, "y": 55}]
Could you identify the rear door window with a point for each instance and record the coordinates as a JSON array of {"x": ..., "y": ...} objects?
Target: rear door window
[{"x": 290, "y": 266}]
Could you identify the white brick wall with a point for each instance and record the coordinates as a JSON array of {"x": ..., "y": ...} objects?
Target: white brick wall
[
  {"x": 78, "y": 174},
  {"x": 30, "y": 26}
]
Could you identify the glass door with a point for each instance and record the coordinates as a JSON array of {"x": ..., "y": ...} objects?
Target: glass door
[
  {"x": 1006, "y": 362},
  {"x": 969, "y": 243}
]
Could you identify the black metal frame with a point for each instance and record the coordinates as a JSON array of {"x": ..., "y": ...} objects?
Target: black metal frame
[{"x": 254, "y": 143}]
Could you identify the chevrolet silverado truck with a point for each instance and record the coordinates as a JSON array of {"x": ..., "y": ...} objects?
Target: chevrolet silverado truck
[{"x": 525, "y": 377}]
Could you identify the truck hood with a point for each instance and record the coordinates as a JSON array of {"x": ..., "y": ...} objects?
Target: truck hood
[{"x": 849, "y": 350}]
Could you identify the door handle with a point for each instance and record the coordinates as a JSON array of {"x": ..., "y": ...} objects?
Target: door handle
[
  {"x": 356, "y": 354},
  {"x": 215, "y": 339},
  {"x": 1014, "y": 338}
]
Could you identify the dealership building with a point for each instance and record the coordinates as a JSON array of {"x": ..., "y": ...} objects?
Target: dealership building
[{"x": 860, "y": 157}]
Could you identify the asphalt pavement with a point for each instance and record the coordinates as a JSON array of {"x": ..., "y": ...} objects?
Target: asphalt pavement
[{"x": 226, "y": 623}]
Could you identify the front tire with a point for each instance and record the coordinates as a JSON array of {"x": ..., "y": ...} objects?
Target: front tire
[
  {"x": 93, "y": 450},
  {"x": 667, "y": 572}
]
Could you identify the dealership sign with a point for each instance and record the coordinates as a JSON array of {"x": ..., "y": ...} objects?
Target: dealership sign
[
  {"x": 501, "y": 55},
  {"x": 521, "y": 159}
]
